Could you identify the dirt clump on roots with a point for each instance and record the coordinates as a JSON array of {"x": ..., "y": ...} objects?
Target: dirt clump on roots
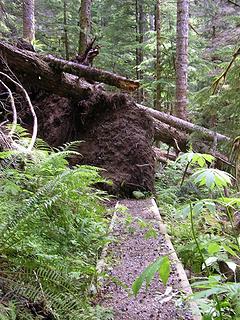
[{"x": 116, "y": 136}]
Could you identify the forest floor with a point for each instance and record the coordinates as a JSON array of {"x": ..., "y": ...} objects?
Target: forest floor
[{"x": 139, "y": 239}]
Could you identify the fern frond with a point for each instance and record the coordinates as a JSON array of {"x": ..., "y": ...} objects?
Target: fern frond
[{"x": 69, "y": 146}]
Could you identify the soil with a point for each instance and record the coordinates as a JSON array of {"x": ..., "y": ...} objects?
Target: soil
[
  {"x": 130, "y": 254},
  {"x": 115, "y": 136}
]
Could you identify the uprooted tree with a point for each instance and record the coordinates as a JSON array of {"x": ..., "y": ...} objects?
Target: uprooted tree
[{"x": 71, "y": 104}]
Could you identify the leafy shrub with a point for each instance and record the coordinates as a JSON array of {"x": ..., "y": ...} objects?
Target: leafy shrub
[{"x": 206, "y": 239}]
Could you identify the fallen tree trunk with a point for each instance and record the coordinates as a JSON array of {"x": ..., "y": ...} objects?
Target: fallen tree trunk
[
  {"x": 92, "y": 74},
  {"x": 39, "y": 71},
  {"x": 163, "y": 156},
  {"x": 180, "y": 141},
  {"x": 184, "y": 125},
  {"x": 169, "y": 135},
  {"x": 52, "y": 74},
  {"x": 36, "y": 72}
]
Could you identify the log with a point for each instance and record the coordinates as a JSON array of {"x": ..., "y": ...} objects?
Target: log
[
  {"x": 179, "y": 140},
  {"x": 92, "y": 74},
  {"x": 49, "y": 72},
  {"x": 37, "y": 72},
  {"x": 169, "y": 135},
  {"x": 163, "y": 156},
  {"x": 184, "y": 125}
]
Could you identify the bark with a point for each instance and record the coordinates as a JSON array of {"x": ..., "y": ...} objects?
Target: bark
[
  {"x": 54, "y": 74},
  {"x": 182, "y": 58},
  {"x": 85, "y": 24},
  {"x": 180, "y": 141},
  {"x": 169, "y": 135},
  {"x": 139, "y": 49},
  {"x": 28, "y": 20},
  {"x": 184, "y": 125},
  {"x": 158, "y": 58},
  {"x": 34, "y": 70},
  {"x": 66, "y": 44},
  {"x": 163, "y": 156},
  {"x": 92, "y": 74}
]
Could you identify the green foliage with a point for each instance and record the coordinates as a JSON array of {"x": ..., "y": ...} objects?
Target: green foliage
[
  {"x": 195, "y": 158},
  {"x": 230, "y": 293},
  {"x": 212, "y": 178},
  {"x": 52, "y": 228},
  {"x": 160, "y": 266},
  {"x": 206, "y": 238}
]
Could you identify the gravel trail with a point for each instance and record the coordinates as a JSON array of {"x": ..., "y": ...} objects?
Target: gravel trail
[{"x": 128, "y": 256}]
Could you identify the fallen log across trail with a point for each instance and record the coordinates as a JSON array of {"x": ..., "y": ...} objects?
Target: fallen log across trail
[{"x": 59, "y": 76}]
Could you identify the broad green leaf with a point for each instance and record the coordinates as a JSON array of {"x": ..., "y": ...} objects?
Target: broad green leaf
[
  {"x": 210, "y": 206},
  {"x": 213, "y": 248},
  {"x": 229, "y": 250},
  {"x": 207, "y": 293},
  {"x": 212, "y": 178},
  {"x": 137, "y": 284},
  {"x": 161, "y": 265},
  {"x": 164, "y": 270},
  {"x": 197, "y": 208},
  {"x": 193, "y": 158}
]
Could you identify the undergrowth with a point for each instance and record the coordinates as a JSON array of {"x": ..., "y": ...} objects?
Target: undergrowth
[
  {"x": 52, "y": 229},
  {"x": 201, "y": 209}
]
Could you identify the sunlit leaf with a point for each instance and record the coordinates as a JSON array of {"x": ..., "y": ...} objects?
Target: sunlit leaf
[
  {"x": 161, "y": 265},
  {"x": 212, "y": 178},
  {"x": 213, "y": 248}
]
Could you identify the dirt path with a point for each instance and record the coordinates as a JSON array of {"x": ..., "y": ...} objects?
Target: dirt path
[{"x": 127, "y": 258}]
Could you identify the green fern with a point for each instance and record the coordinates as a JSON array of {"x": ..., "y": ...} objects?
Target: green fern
[{"x": 52, "y": 227}]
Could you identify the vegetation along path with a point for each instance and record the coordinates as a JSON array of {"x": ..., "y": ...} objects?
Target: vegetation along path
[{"x": 140, "y": 240}]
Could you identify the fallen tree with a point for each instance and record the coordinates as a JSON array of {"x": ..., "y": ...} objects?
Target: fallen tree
[
  {"x": 184, "y": 125},
  {"x": 64, "y": 78},
  {"x": 57, "y": 75},
  {"x": 112, "y": 125}
]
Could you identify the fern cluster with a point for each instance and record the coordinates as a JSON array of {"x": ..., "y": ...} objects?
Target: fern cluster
[{"x": 52, "y": 227}]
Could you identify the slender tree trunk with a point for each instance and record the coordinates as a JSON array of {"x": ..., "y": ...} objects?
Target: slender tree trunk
[
  {"x": 66, "y": 44},
  {"x": 158, "y": 58},
  {"x": 182, "y": 58},
  {"x": 28, "y": 20},
  {"x": 140, "y": 39},
  {"x": 85, "y": 24}
]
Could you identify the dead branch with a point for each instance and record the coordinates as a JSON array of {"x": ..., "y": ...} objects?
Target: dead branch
[
  {"x": 35, "y": 123},
  {"x": 223, "y": 76}
]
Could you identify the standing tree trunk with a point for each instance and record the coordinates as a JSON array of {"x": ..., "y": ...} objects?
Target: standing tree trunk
[
  {"x": 158, "y": 59},
  {"x": 28, "y": 20},
  {"x": 85, "y": 24},
  {"x": 66, "y": 44},
  {"x": 182, "y": 58},
  {"x": 140, "y": 39}
]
